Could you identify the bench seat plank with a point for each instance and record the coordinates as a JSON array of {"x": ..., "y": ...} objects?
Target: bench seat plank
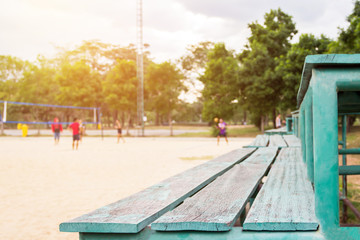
[
  {"x": 277, "y": 141},
  {"x": 132, "y": 214},
  {"x": 286, "y": 201},
  {"x": 281, "y": 131},
  {"x": 259, "y": 141},
  {"x": 292, "y": 141},
  {"x": 217, "y": 206}
]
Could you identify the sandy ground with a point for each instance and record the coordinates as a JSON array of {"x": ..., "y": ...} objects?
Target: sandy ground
[{"x": 42, "y": 185}]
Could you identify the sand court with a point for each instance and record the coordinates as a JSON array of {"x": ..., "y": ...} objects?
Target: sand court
[{"x": 42, "y": 185}]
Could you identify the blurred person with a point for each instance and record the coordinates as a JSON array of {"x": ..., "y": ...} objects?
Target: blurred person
[
  {"x": 119, "y": 131},
  {"x": 278, "y": 121},
  {"x": 222, "y": 131},
  {"x": 75, "y": 126},
  {"x": 56, "y": 128}
]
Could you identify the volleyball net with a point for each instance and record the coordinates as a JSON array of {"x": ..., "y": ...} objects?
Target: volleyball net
[{"x": 35, "y": 113}]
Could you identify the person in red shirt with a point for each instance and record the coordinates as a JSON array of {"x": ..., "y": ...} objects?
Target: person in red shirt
[
  {"x": 56, "y": 128},
  {"x": 75, "y": 126}
]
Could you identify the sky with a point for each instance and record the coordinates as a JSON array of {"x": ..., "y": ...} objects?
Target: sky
[{"x": 32, "y": 27}]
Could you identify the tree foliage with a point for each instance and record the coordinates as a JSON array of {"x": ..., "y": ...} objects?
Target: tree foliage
[
  {"x": 259, "y": 84},
  {"x": 220, "y": 77},
  {"x": 120, "y": 87},
  {"x": 349, "y": 39},
  {"x": 290, "y": 66},
  {"x": 79, "y": 85},
  {"x": 163, "y": 86}
]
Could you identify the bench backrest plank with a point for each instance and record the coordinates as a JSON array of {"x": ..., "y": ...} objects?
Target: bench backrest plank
[
  {"x": 286, "y": 201},
  {"x": 260, "y": 141},
  {"x": 132, "y": 214},
  {"x": 292, "y": 141},
  {"x": 277, "y": 141},
  {"x": 217, "y": 206}
]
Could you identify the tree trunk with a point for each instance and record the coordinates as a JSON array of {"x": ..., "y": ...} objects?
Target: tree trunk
[
  {"x": 37, "y": 119},
  {"x": 262, "y": 123},
  {"x": 244, "y": 121},
  {"x": 128, "y": 125},
  {"x": 123, "y": 119},
  {"x": 157, "y": 119},
  {"x": 266, "y": 124},
  {"x": 170, "y": 124},
  {"x": 115, "y": 116}
]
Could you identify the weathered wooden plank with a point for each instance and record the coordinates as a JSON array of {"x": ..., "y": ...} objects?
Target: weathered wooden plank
[
  {"x": 217, "y": 206},
  {"x": 259, "y": 141},
  {"x": 292, "y": 141},
  {"x": 281, "y": 131},
  {"x": 277, "y": 141},
  {"x": 132, "y": 214},
  {"x": 286, "y": 201}
]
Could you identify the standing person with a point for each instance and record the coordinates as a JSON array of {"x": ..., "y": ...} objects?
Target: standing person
[
  {"x": 222, "y": 131},
  {"x": 278, "y": 121},
  {"x": 75, "y": 126},
  {"x": 56, "y": 128},
  {"x": 119, "y": 131}
]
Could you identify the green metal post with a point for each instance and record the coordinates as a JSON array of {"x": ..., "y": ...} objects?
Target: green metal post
[
  {"x": 289, "y": 128},
  {"x": 309, "y": 136},
  {"x": 326, "y": 167},
  {"x": 302, "y": 131},
  {"x": 349, "y": 151},
  {"x": 349, "y": 170},
  {"x": 344, "y": 177}
]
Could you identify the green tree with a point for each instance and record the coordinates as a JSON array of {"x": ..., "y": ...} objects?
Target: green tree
[
  {"x": 196, "y": 56},
  {"x": 120, "y": 89},
  {"x": 79, "y": 85},
  {"x": 290, "y": 66},
  {"x": 11, "y": 72},
  {"x": 220, "y": 79},
  {"x": 39, "y": 85},
  {"x": 260, "y": 86},
  {"x": 163, "y": 86},
  {"x": 349, "y": 39}
]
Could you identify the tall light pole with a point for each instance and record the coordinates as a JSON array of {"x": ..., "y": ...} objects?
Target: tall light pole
[{"x": 140, "y": 65}]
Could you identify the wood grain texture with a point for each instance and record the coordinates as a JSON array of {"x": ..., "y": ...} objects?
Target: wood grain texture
[
  {"x": 132, "y": 214},
  {"x": 286, "y": 201},
  {"x": 292, "y": 141},
  {"x": 217, "y": 206},
  {"x": 259, "y": 141},
  {"x": 277, "y": 141}
]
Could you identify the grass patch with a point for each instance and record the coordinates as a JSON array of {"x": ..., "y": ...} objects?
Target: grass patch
[
  {"x": 354, "y": 197},
  {"x": 243, "y": 132},
  {"x": 195, "y": 134},
  {"x": 232, "y": 131}
]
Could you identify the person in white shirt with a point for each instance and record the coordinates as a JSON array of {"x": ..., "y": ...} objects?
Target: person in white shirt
[{"x": 278, "y": 121}]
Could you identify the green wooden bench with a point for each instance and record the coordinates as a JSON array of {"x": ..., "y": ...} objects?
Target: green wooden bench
[
  {"x": 277, "y": 131},
  {"x": 279, "y": 187}
]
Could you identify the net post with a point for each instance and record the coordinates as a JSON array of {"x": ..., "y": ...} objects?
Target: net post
[
  {"x": 3, "y": 118},
  {"x": 5, "y": 106},
  {"x": 94, "y": 114},
  {"x": 101, "y": 126}
]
